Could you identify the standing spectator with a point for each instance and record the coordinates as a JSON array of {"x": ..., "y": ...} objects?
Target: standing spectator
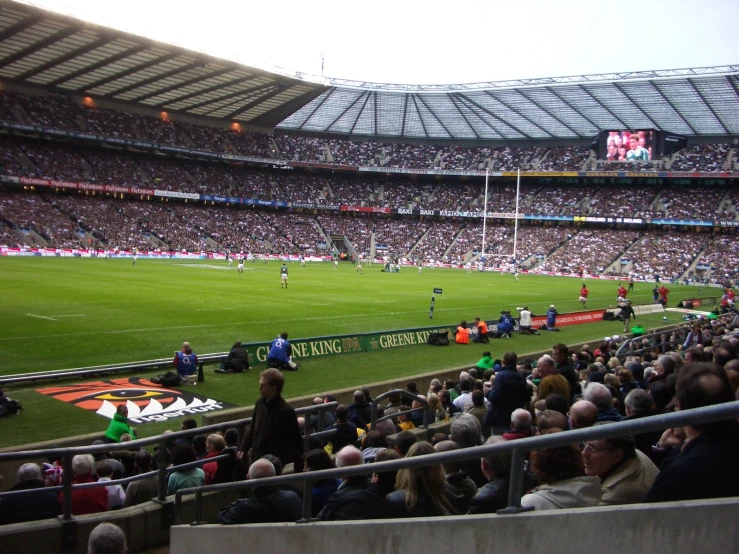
[
  {"x": 29, "y": 507},
  {"x": 274, "y": 425},
  {"x": 564, "y": 366},
  {"x": 551, "y": 380},
  {"x": 509, "y": 392},
  {"x": 85, "y": 501}
]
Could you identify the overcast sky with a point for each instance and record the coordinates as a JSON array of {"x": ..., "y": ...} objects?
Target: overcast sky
[{"x": 412, "y": 42}]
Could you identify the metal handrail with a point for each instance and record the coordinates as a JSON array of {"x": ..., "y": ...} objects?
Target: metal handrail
[
  {"x": 66, "y": 455},
  {"x": 517, "y": 448},
  {"x": 407, "y": 394}
]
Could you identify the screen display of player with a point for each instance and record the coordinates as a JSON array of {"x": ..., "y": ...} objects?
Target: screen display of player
[{"x": 629, "y": 146}]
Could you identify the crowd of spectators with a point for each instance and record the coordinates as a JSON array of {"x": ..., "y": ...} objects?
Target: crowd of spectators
[
  {"x": 666, "y": 254},
  {"x": 436, "y": 241},
  {"x": 722, "y": 257},
  {"x": 492, "y": 403},
  {"x": 701, "y": 157},
  {"x": 564, "y": 158},
  {"x": 588, "y": 251},
  {"x": 560, "y": 200}
]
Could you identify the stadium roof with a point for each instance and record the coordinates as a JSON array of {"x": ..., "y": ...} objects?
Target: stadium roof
[
  {"x": 64, "y": 54},
  {"x": 67, "y": 55}
]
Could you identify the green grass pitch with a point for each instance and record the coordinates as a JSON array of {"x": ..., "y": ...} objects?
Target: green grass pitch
[{"x": 60, "y": 313}]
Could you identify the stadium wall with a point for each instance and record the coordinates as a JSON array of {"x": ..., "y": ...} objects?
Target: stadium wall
[{"x": 674, "y": 528}]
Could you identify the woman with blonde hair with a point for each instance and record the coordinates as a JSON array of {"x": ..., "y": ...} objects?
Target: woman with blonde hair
[{"x": 422, "y": 491}]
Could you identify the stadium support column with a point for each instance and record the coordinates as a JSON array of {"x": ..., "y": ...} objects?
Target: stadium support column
[
  {"x": 485, "y": 213},
  {"x": 515, "y": 221}
]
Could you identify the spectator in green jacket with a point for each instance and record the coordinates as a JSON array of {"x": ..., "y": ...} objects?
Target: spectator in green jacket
[{"x": 119, "y": 425}]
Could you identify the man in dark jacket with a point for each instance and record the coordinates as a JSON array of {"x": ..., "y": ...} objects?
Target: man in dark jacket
[
  {"x": 702, "y": 466},
  {"x": 360, "y": 412},
  {"x": 266, "y": 504},
  {"x": 274, "y": 425},
  {"x": 346, "y": 431},
  {"x": 355, "y": 498},
  {"x": 509, "y": 392},
  {"x": 29, "y": 507},
  {"x": 564, "y": 366},
  {"x": 237, "y": 361}
]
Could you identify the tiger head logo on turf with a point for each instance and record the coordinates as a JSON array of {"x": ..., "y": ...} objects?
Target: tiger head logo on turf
[{"x": 146, "y": 401}]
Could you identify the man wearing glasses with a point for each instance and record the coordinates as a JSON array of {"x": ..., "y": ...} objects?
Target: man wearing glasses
[{"x": 625, "y": 472}]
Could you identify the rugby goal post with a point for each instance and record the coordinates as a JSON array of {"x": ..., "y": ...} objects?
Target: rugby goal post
[{"x": 515, "y": 221}]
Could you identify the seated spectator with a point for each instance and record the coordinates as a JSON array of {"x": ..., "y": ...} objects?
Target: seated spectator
[
  {"x": 144, "y": 489},
  {"x": 625, "y": 473},
  {"x": 266, "y": 504},
  {"x": 520, "y": 426},
  {"x": 478, "y": 408},
  {"x": 360, "y": 412},
  {"x": 462, "y": 485},
  {"x": 386, "y": 426},
  {"x": 403, "y": 442},
  {"x": 549, "y": 419},
  {"x": 561, "y": 472},
  {"x": 119, "y": 425},
  {"x": 107, "y": 538},
  {"x": 639, "y": 404},
  {"x": 317, "y": 460},
  {"x": 600, "y": 396},
  {"x": 383, "y": 483},
  {"x": 583, "y": 414},
  {"x": 85, "y": 501},
  {"x": 184, "y": 478},
  {"x": 116, "y": 495},
  {"x": 558, "y": 403},
  {"x": 404, "y": 420},
  {"x": 373, "y": 443},
  {"x": 701, "y": 466},
  {"x": 346, "y": 431},
  {"x": 551, "y": 379},
  {"x": 214, "y": 446},
  {"x": 353, "y": 498},
  {"x": 29, "y": 507},
  {"x": 422, "y": 491},
  {"x": 497, "y": 469},
  {"x": 465, "y": 430}
]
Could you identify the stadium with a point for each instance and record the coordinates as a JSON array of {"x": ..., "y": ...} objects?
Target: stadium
[{"x": 152, "y": 195}]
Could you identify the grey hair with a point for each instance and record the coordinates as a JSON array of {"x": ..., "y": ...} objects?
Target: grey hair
[
  {"x": 261, "y": 469},
  {"x": 521, "y": 418},
  {"x": 83, "y": 464},
  {"x": 29, "y": 471},
  {"x": 639, "y": 401},
  {"x": 465, "y": 430},
  {"x": 599, "y": 395},
  {"x": 107, "y": 538},
  {"x": 359, "y": 397},
  {"x": 668, "y": 363}
]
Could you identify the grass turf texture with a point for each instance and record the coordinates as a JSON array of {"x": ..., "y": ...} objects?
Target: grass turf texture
[{"x": 60, "y": 313}]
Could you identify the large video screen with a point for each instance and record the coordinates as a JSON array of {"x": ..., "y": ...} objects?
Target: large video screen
[{"x": 629, "y": 146}]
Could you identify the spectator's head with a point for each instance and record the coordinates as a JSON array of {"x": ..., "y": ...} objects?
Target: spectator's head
[
  {"x": 349, "y": 456},
  {"x": 599, "y": 395},
  {"x": 704, "y": 384},
  {"x": 558, "y": 463},
  {"x": 560, "y": 352},
  {"x": 510, "y": 359},
  {"x": 665, "y": 365},
  {"x": 317, "y": 460},
  {"x": 231, "y": 436},
  {"x": 283, "y": 335},
  {"x": 638, "y": 403},
  {"x": 103, "y": 469},
  {"x": 83, "y": 464},
  {"x": 386, "y": 479},
  {"x": 583, "y": 414},
  {"x": 122, "y": 410},
  {"x": 545, "y": 366},
  {"x": 521, "y": 420},
  {"x": 29, "y": 472},
  {"x": 625, "y": 376},
  {"x": 188, "y": 423},
  {"x": 142, "y": 461},
  {"x": 465, "y": 430},
  {"x": 276, "y": 463},
  {"x": 359, "y": 397},
  {"x": 107, "y": 538},
  {"x": 551, "y": 420},
  {"x": 558, "y": 403},
  {"x": 186, "y": 347},
  {"x": 342, "y": 413},
  {"x": 183, "y": 454},
  {"x": 215, "y": 443},
  {"x": 426, "y": 482},
  {"x": 271, "y": 382},
  {"x": 661, "y": 395},
  {"x": 374, "y": 439},
  {"x": 412, "y": 387},
  {"x": 403, "y": 442},
  {"x": 496, "y": 465},
  {"x": 438, "y": 437},
  {"x": 603, "y": 456},
  {"x": 478, "y": 399},
  {"x": 261, "y": 469},
  {"x": 465, "y": 385},
  {"x": 317, "y": 400},
  {"x": 447, "y": 446}
]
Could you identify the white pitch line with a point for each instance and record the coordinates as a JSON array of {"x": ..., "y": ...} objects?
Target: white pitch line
[
  {"x": 71, "y": 315},
  {"x": 42, "y": 317}
]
